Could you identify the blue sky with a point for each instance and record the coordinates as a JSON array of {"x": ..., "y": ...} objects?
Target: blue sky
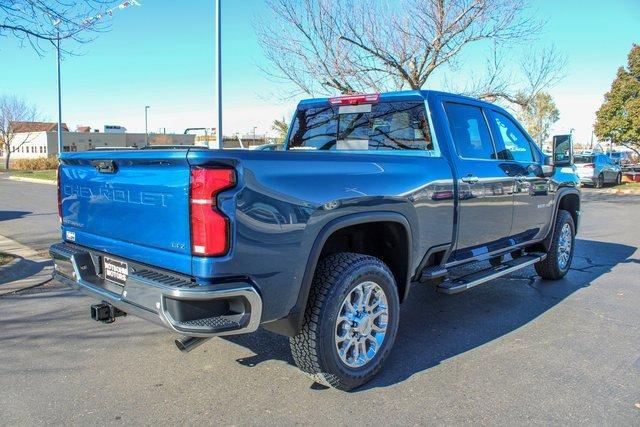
[{"x": 161, "y": 54}]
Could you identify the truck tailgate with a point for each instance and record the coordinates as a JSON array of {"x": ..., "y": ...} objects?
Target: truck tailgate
[{"x": 134, "y": 204}]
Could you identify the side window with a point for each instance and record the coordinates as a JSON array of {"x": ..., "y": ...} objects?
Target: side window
[
  {"x": 512, "y": 143},
  {"x": 470, "y": 132}
]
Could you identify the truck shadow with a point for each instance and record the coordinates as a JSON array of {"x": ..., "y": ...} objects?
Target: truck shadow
[
  {"x": 435, "y": 327},
  {"x": 8, "y": 215}
]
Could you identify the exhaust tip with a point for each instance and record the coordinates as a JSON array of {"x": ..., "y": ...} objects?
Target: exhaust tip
[
  {"x": 186, "y": 344},
  {"x": 181, "y": 346}
]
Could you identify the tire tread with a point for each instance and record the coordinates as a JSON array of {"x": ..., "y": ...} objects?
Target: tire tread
[
  {"x": 548, "y": 268},
  {"x": 305, "y": 345}
]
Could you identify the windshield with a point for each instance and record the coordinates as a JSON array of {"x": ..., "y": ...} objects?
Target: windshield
[{"x": 398, "y": 125}]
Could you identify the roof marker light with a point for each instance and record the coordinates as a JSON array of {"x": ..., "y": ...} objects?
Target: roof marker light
[{"x": 363, "y": 98}]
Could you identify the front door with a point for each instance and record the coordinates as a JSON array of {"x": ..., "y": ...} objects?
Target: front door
[
  {"x": 485, "y": 196},
  {"x": 532, "y": 200}
]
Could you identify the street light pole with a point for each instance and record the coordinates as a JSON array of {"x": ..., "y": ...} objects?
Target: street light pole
[
  {"x": 59, "y": 97},
  {"x": 146, "y": 127},
  {"x": 254, "y": 135},
  {"x": 218, "y": 74},
  {"x": 56, "y": 23}
]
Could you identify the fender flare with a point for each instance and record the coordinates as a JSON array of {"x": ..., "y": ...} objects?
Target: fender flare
[
  {"x": 562, "y": 192},
  {"x": 291, "y": 324}
]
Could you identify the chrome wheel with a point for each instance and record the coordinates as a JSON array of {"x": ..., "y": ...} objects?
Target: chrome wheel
[
  {"x": 564, "y": 246},
  {"x": 361, "y": 324}
]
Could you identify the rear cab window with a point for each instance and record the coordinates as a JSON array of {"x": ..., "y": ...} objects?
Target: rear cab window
[{"x": 398, "y": 126}]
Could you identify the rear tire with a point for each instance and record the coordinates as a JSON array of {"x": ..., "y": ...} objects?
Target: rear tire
[
  {"x": 340, "y": 344},
  {"x": 599, "y": 181},
  {"x": 560, "y": 254}
]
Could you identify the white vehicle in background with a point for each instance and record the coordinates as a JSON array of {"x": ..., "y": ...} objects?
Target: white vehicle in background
[{"x": 597, "y": 170}]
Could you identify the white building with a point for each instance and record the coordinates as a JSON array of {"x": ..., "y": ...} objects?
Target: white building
[{"x": 33, "y": 140}]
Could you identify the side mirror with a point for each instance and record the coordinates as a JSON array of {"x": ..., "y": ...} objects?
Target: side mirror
[
  {"x": 548, "y": 166},
  {"x": 562, "y": 150}
]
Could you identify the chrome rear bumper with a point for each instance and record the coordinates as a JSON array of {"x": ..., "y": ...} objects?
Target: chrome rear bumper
[{"x": 165, "y": 298}]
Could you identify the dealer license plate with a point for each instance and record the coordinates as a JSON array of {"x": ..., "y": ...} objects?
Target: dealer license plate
[{"x": 115, "y": 271}]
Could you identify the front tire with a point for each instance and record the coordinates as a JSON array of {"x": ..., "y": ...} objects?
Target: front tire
[
  {"x": 619, "y": 179},
  {"x": 350, "y": 322},
  {"x": 560, "y": 253}
]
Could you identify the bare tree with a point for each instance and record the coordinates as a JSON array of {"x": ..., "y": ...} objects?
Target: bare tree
[
  {"x": 536, "y": 71},
  {"x": 13, "y": 110},
  {"x": 38, "y": 21},
  {"x": 324, "y": 46}
]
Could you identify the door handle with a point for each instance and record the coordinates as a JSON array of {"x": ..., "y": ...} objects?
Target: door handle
[{"x": 470, "y": 179}]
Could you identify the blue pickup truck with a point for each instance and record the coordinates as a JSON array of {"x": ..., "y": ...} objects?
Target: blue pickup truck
[{"x": 322, "y": 241}]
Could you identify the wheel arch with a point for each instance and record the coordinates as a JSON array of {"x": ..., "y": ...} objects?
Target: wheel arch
[
  {"x": 292, "y": 323},
  {"x": 567, "y": 198},
  {"x": 570, "y": 202}
]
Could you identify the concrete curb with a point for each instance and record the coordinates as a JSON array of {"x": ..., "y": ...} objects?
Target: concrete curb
[
  {"x": 22, "y": 253},
  {"x": 621, "y": 191},
  {"x": 33, "y": 180}
]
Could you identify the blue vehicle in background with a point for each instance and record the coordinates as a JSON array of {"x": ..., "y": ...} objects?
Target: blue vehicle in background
[{"x": 322, "y": 241}]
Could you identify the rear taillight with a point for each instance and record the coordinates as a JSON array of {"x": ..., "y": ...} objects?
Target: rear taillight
[
  {"x": 369, "y": 98},
  {"x": 209, "y": 227},
  {"x": 59, "y": 195}
]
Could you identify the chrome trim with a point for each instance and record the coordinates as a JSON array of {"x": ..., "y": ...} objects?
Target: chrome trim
[
  {"x": 247, "y": 292},
  {"x": 64, "y": 255}
]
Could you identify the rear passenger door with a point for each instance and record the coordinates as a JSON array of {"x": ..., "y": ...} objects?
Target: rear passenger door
[
  {"x": 532, "y": 199},
  {"x": 611, "y": 169},
  {"x": 485, "y": 196}
]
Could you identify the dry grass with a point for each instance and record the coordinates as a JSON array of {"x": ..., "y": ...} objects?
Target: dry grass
[
  {"x": 5, "y": 258},
  {"x": 42, "y": 163}
]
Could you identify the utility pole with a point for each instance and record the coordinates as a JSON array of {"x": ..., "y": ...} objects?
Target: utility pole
[
  {"x": 218, "y": 74},
  {"x": 146, "y": 131},
  {"x": 254, "y": 135}
]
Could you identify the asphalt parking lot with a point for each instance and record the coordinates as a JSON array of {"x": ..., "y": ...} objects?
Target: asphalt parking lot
[{"x": 514, "y": 351}]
